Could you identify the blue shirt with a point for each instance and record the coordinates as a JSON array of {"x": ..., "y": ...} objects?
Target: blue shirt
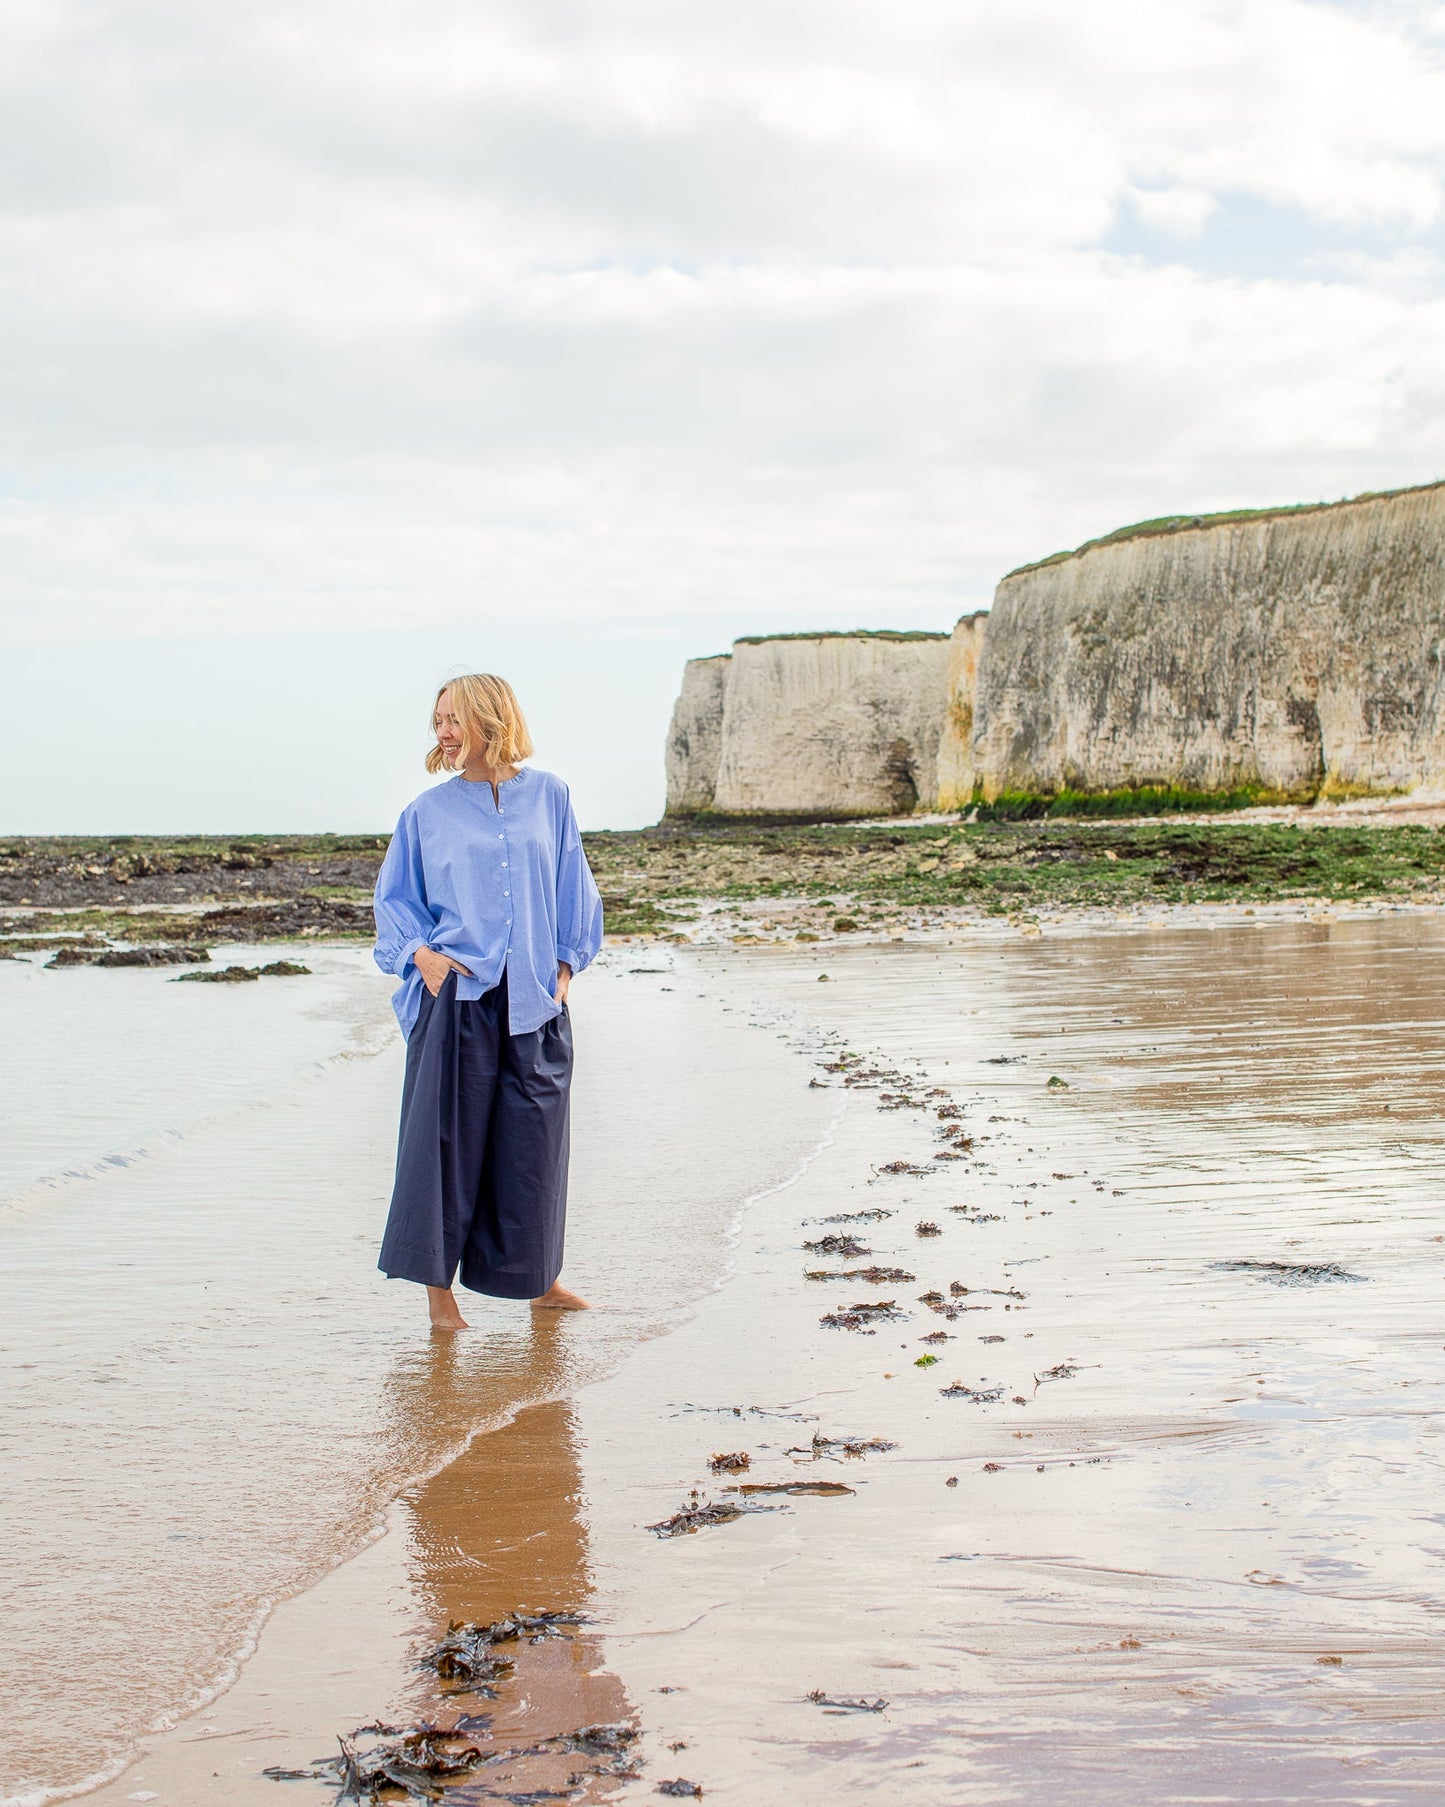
[{"x": 494, "y": 884}]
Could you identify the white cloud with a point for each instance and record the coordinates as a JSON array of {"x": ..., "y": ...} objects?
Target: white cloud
[
  {"x": 1183, "y": 211},
  {"x": 318, "y": 314}
]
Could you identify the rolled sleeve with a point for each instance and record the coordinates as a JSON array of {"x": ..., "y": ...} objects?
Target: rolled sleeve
[{"x": 404, "y": 958}]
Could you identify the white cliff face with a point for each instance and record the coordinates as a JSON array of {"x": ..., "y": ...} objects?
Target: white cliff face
[
  {"x": 957, "y": 773},
  {"x": 1296, "y": 652},
  {"x": 818, "y": 725},
  {"x": 694, "y": 741},
  {"x": 1300, "y": 653},
  {"x": 833, "y": 725}
]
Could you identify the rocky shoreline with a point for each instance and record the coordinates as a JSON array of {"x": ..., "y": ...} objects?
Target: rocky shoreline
[
  {"x": 192, "y": 890},
  {"x": 716, "y": 880}
]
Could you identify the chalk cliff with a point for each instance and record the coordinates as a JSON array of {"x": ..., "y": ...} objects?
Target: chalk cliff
[
  {"x": 694, "y": 741},
  {"x": 816, "y": 725},
  {"x": 1300, "y": 651},
  {"x": 957, "y": 772},
  {"x": 1296, "y": 651}
]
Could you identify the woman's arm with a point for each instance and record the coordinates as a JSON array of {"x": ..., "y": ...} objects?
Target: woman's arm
[
  {"x": 404, "y": 921},
  {"x": 579, "y": 905}
]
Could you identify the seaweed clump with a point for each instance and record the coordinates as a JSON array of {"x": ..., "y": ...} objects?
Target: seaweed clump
[
  {"x": 833, "y": 1704},
  {"x": 421, "y": 1762},
  {"x": 466, "y": 1658},
  {"x": 378, "y": 1760},
  {"x": 696, "y": 1516},
  {"x": 731, "y": 1462},
  {"x": 1289, "y": 1273},
  {"x": 844, "y": 1446},
  {"x": 846, "y": 1247},
  {"x": 871, "y": 1276},
  {"x": 861, "y": 1316}
]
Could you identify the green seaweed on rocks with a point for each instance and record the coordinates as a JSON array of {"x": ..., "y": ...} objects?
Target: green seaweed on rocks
[
  {"x": 162, "y": 954},
  {"x": 660, "y": 881}
]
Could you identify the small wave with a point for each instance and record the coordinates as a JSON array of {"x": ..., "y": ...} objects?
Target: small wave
[{"x": 367, "y": 1042}]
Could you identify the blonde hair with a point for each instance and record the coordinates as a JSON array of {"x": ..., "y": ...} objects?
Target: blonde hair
[{"x": 494, "y": 729}]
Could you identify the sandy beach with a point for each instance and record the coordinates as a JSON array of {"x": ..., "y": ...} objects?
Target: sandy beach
[
  {"x": 1159, "y": 1511},
  {"x": 770, "y": 680}
]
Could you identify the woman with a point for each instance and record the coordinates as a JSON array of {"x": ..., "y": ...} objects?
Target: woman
[{"x": 485, "y": 909}]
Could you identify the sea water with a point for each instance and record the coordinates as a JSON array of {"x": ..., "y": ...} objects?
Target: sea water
[{"x": 209, "y": 1390}]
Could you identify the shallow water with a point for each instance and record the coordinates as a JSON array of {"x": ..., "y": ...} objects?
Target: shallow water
[
  {"x": 1146, "y": 1567},
  {"x": 99, "y": 1067},
  {"x": 211, "y": 1395}
]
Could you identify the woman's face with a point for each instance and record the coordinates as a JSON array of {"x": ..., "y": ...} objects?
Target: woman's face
[{"x": 447, "y": 728}]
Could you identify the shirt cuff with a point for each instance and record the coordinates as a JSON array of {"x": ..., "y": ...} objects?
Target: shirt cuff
[
  {"x": 403, "y": 959},
  {"x": 575, "y": 960}
]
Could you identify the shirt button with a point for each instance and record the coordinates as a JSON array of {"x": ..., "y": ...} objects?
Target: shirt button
[{"x": 506, "y": 894}]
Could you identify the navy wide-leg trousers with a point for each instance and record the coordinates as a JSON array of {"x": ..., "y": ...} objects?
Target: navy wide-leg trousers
[{"x": 481, "y": 1163}]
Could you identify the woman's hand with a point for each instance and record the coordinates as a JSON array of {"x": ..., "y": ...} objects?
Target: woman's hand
[
  {"x": 564, "y": 979},
  {"x": 434, "y": 967}
]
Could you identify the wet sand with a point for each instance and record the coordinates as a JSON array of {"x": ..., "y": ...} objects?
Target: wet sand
[
  {"x": 1191, "y": 1549},
  {"x": 212, "y": 1398}
]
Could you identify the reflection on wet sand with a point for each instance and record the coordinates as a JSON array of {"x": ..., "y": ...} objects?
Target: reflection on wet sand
[
  {"x": 500, "y": 1531},
  {"x": 1320, "y": 1025},
  {"x": 267, "y": 1396}
]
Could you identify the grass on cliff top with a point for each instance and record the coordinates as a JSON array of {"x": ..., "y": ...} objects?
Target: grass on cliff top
[
  {"x": 651, "y": 877},
  {"x": 842, "y": 633},
  {"x": 1181, "y": 523}
]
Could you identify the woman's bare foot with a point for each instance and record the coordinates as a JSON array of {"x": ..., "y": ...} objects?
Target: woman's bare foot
[
  {"x": 558, "y": 1298},
  {"x": 445, "y": 1312}
]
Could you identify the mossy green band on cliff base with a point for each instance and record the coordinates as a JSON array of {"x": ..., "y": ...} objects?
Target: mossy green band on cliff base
[{"x": 1143, "y": 800}]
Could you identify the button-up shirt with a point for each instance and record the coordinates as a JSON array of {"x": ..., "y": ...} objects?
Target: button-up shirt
[{"x": 495, "y": 882}]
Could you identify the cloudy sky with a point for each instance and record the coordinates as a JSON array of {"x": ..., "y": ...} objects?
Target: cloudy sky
[{"x": 347, "y": 345}]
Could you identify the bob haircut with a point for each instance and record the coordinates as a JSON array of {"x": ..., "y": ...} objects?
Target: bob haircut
[{"x": 494, "y": 729}]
